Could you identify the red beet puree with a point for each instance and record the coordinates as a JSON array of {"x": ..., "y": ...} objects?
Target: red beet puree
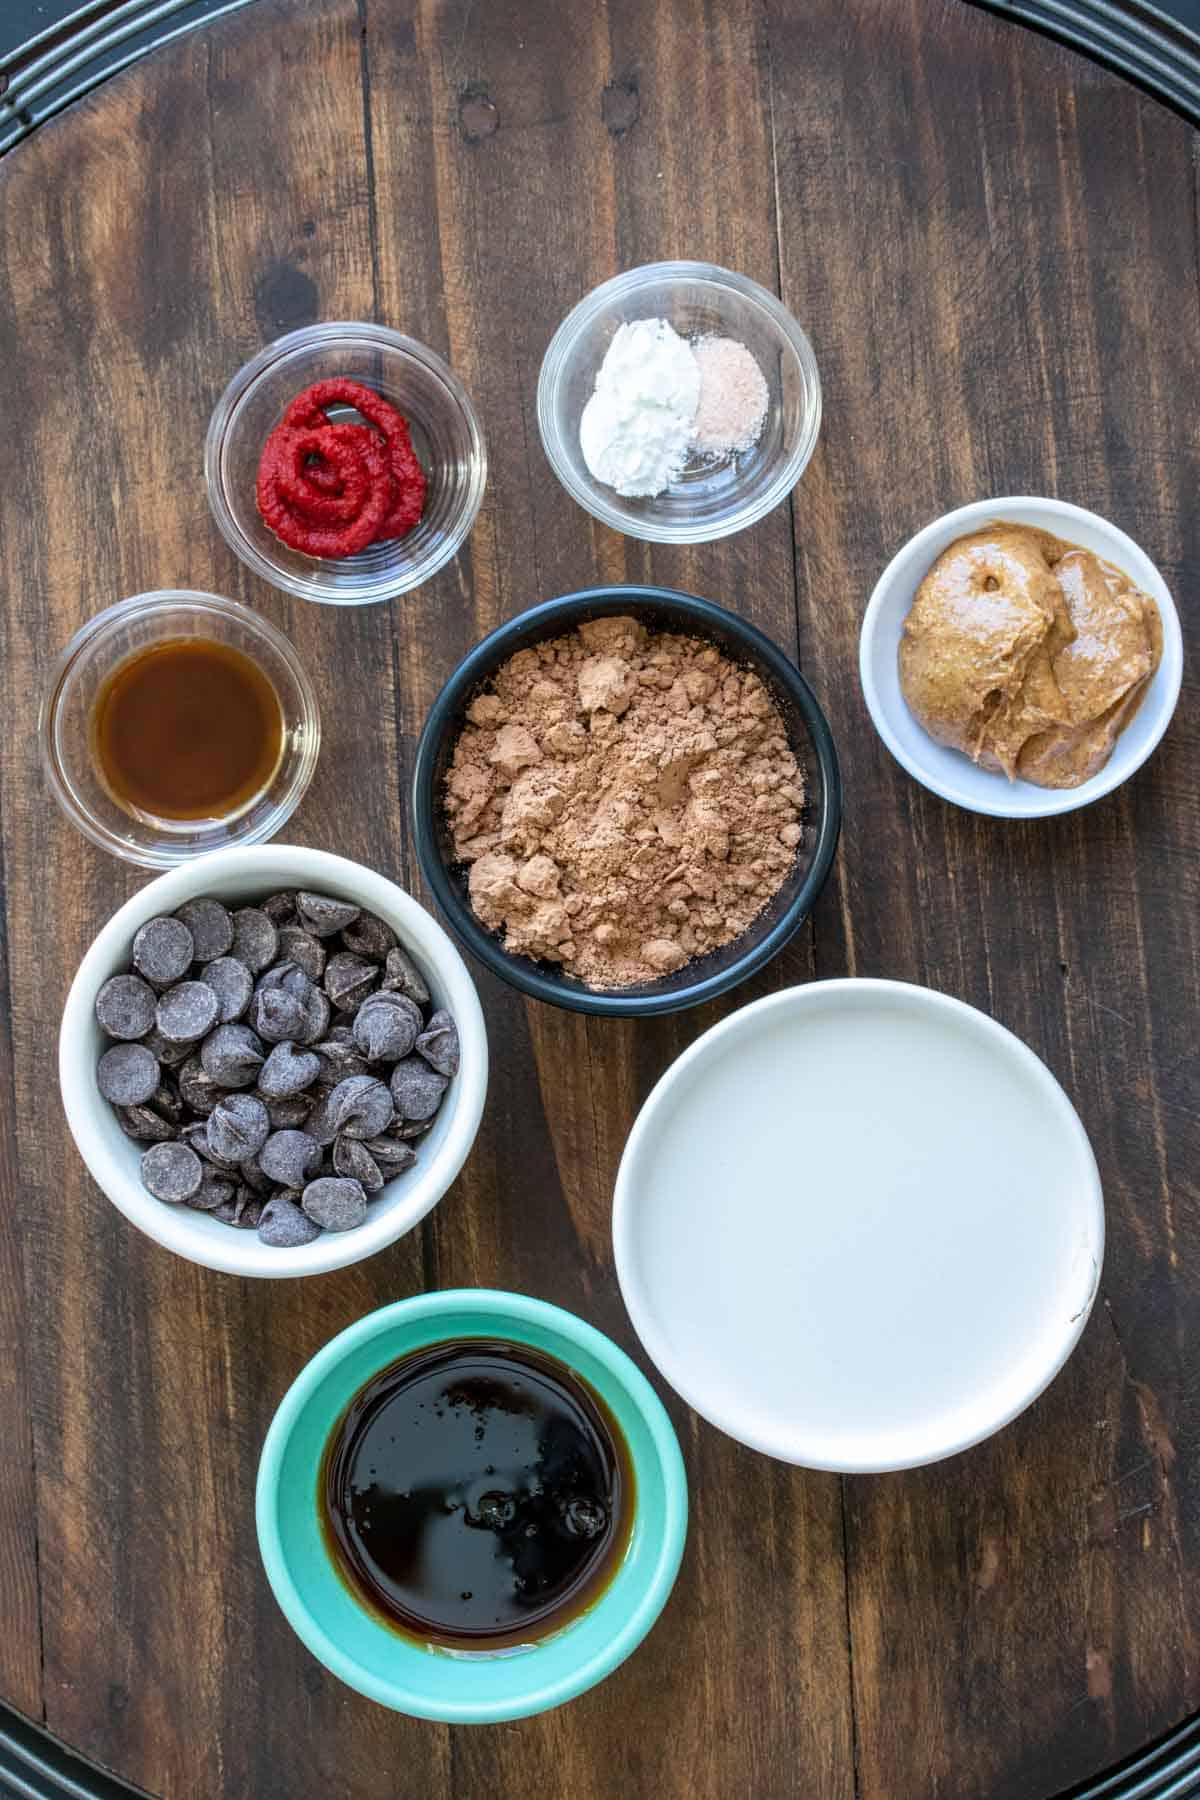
[{"x": 331, "y": 489}]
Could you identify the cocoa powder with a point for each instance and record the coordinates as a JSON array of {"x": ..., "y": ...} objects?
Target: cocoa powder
[{"x": 625, "y": 801}]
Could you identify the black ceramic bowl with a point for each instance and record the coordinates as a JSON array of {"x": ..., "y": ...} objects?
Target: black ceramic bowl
[{"x": 659, "y": 609}]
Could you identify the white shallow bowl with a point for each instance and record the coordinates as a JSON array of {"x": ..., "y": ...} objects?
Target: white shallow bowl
[
  {"x": 948, "y": 772},
  {"x": 246, "y": 875},
  {"x": 858, "y": 1225}
]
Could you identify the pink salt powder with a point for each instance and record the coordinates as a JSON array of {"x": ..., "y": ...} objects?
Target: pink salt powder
[{"x": 733, "y": 398}]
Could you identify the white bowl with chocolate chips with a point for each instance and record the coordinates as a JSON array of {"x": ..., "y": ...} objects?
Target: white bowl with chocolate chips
[{"x": 273, "y": 1061}]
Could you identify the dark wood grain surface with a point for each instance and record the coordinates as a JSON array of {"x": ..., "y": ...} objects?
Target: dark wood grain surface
[{"x": 993, "y": 246}]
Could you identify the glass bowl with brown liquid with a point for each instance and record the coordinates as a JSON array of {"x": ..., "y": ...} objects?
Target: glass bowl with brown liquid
[{"x": 175, "y": 723}]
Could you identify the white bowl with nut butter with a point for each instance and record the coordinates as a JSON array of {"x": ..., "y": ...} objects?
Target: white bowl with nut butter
[{"x": 1120, "y": 686}]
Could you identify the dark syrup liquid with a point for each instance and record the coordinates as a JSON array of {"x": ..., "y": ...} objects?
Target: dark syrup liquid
[
  {"x": 476, "y": 1494},
  {"x": 187, "y": 729}
]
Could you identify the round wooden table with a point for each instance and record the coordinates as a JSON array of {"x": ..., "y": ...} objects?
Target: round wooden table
[{"x": 993, "y": 245}]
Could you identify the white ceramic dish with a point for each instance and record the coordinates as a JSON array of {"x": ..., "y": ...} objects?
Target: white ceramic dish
[
  {"x": 858, "y": 1225},
  {"x": 948, "y": 772},
  {"x": 247, "y": 874}
]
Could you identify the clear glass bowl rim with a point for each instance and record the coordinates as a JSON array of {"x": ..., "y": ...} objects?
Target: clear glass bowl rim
[{"x": 622, "y": 287}]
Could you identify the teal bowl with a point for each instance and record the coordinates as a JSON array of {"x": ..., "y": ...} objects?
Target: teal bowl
[{"x": 473, "y": 1687}]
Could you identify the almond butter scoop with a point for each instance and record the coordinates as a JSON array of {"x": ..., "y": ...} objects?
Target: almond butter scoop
[
  {"x": 1029, "y": 655},
  {"x": 625, "y": 801}
]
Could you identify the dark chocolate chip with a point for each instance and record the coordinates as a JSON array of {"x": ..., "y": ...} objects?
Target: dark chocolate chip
[
  {"x": 284, "y": 1226},
  {"x": 402, "y": 976},
  {"x": 288, "y": 1071},
  {"x": 244, "y": 1210},
  {"x": 334, "y": 1070},
  {"x": 276, "y": 1015},
  {"x": 289, "y": 1114},
  {"x": 321, "y": 1123},
  {"x": 301, "y": 947},
  {"x": 197, "y": 1088},
  {"x": 167, "y": 1101},
  {"x": 316, "y": 1018},
  {"x": 340, "y": 1055},
  {"x": 387, "y": 1026},
  {"x": 210, "y": 925},
  {"x": 125, "y": 1007},
  {"x": 232, "y": 1056},
  {"x": 289, "y": 1157},
  {"x": 322, "y": 915},
  {"x": 238, "y": 1127},
  {"x": 186, "y": 1011},
  {"x": 339, "y": 1037},
  {"x": 214, "y": 1190},
  {"x": 195, "y": 1135},
  {"x": 349, "y": 979},
  {"x": 255, "y": 1178},
  {"x": 438, "y": 1044},
  {"x": 416, "y": 1089},
  {"x": 163, "y": 951},
  {"x": 389, "y": 1155},
  {"x": 335, "y": 1205},
  {"x": 291, "y": 979},
  {"x": 411, "y": 1129},
  {"x": 369, "y": 936},
  {"x": 172, "y": 1172},
  {"x": 127, "y": 1074},
  {"x": 360, "y": 1106},
  {"x": 233, "y": 984},
  {"x": 254, "y": 939},
  {"x": 170, "y": 1055},
  {"x": 354, "y": 1161},
  {"x": 280, "y": 908},
  {"x": 287, "y": 975},
  {"x": 142, "y": 1123}
]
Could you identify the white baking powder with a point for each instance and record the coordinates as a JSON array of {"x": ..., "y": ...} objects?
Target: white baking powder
[{"x": 636, "y": 429}]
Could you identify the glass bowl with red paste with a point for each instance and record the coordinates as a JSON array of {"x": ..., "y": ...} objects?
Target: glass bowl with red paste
[{"x": 345, "y": 463}]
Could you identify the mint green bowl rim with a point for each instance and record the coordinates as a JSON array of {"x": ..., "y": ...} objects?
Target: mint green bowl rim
[{"x": 497, "y": 1307}]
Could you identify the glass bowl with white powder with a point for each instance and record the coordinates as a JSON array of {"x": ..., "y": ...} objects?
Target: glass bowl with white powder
[{"x": 679, "y": 402}]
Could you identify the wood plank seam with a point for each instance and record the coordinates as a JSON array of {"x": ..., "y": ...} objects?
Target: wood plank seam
[
  {"x": 369, "y": 153},
  {"x": 811, "y": 922},
  {"x": 856, "y": 1775}
]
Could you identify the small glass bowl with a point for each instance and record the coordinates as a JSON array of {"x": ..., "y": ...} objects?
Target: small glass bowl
[
  {"x": 710, "y": 499},
  {"x": 65, "y": 714},
  {"x": 445, "y": 433}
]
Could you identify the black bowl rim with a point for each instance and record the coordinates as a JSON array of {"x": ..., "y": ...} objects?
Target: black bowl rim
[{"x": 474, "y": 669}]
